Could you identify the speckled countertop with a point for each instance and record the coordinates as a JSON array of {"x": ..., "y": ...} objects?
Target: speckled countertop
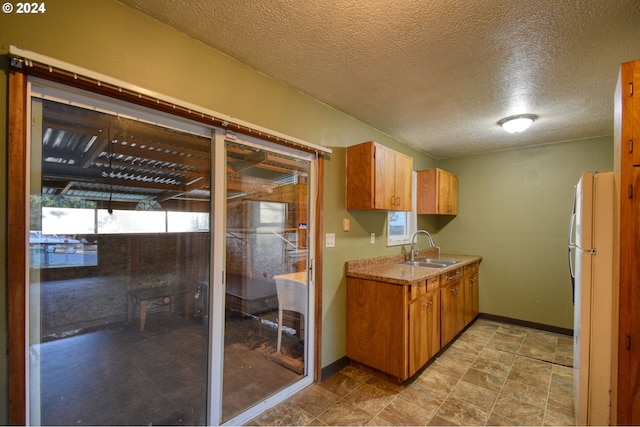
[{"x": 387, "y": 269}]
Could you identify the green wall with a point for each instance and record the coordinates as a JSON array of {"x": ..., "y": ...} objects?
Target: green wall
[
  {"x": 109, "y": 38},
  {"x": 350, "y": 245},
  {"x": 514, "y": 211},
  {"x": 513, "y": 204}
]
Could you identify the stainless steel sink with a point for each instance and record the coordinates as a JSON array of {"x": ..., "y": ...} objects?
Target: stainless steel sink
[
  {"x": 437, "y": 261},
  {"x": 430, "y": 262}
]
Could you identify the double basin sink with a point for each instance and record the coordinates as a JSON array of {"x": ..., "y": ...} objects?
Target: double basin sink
[{"x": 430, "y": 262}]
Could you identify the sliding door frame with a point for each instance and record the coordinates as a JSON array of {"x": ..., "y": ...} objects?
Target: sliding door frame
[
  {"x": 17, "y": 206},
  {"x": 17, "y": 247},
  {"x": 218, "y": 265}
]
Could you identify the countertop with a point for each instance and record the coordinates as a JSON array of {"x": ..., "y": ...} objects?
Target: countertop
[{"x": 387, "y": 269}]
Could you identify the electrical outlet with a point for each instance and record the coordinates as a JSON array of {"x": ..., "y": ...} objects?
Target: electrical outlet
[{"x": 373, "y": 237}]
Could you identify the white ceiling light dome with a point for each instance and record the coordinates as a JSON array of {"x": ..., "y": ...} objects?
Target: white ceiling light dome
[{"x": 518, "y": 123}]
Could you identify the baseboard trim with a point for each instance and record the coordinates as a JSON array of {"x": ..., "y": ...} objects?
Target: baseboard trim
[
  {"x": 533, "y": 325},
  {"x": 343, "y": 362},
  {"x": 334, "y": 367}
]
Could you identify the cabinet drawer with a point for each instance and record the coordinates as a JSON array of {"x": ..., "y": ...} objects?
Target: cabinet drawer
[
  {"x": 433, "y": 283},
  {"x": 418, "y": 289},
  {"x": 470, "y": 268},
  {"x": 451, "y": 275}
]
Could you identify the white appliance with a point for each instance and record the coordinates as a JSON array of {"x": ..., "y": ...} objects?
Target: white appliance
[{"x": 591, "y": 240}]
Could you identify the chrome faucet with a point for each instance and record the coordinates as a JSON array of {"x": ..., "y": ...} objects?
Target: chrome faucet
[{"x": 413, "y": 243}]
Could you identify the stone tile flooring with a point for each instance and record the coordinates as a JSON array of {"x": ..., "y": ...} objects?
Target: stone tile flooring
[{"x": 493, "y": 374}]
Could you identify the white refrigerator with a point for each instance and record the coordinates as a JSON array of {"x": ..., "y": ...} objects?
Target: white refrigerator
[{"x": 591, "y": 240}]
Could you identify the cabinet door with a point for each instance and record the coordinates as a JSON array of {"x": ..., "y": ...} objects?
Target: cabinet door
[
  {"x": 424, "y": 330},
  {"x": 452, "y": 312},
  {"x": 403, "y": 170},
  {"x": 427, "y": 202},
  {"x": 471, "y": 297},
  {"x": 378, "y": 178},
  {"x": 377, "y": 332},
  {"x": 448, "y": 193},
  {"x": 360, "y": 176},
  {"x": 437, "y": 192},
  {"x": 385, "y": 170},
  {"x": 459, "y": 313},
  {"x": 418, "y": 331},
  {"x": 432, "y": 310}
]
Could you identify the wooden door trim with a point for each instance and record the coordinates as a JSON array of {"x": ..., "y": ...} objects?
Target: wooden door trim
[
  {"x": 319, "y": 219},
  {"x": 626, "y": 377},
  {"x": 16, "y": 248}
]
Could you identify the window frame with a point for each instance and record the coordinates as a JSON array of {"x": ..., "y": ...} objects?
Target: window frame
[{"x": 411, "y": 219}]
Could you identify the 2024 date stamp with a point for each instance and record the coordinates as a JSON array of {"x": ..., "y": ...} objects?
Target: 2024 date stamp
[{"x": 20, "y": 8}]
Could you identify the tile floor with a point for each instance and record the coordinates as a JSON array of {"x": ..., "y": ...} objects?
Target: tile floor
[{"x": 493, "y": 374}]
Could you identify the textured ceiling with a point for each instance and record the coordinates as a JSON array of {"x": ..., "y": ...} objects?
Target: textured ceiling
[{"x": 438, "y": 74}]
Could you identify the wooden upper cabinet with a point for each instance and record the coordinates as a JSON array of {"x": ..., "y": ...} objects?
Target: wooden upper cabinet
[
  {"x": 378, "y": 178},
  {"x": 437, "y": 192}
]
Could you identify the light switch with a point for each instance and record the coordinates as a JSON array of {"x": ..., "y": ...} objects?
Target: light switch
[
  {"x": 373, "y": 237},
  {"x": 345, "y": 224},
  {"x": 330, "y": 239}
]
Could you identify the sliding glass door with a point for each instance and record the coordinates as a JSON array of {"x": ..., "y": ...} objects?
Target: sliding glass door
[
  {"x": 169, "y": 275},
  {"x": 267, "y": 300},
  {"x": 118, "y": 261}
]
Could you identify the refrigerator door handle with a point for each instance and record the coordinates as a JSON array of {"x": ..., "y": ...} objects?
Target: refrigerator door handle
[
  {"x": 572, "y": 245},
  {"x": 572, "y": 272},
  {"x": 572, "y": 222}
]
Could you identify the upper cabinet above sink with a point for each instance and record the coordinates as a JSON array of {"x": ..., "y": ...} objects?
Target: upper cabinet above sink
[
  {"x": 378, "y": 178},
  {"x": 437, "y": 192}
]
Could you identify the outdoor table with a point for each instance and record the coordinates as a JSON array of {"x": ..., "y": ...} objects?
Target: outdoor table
[{"x": 167, "y": 293}]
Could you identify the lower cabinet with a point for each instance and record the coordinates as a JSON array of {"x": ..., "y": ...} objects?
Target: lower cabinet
[
  {"x": 392, "y": 328},
  {"x": 396, "y": 329},
  {"x": 377, "y": 325},
  {"x": 452, "y": 305}
]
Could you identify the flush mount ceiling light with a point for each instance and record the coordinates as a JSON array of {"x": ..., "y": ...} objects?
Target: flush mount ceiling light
[{"x": 517, "y": 123}]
